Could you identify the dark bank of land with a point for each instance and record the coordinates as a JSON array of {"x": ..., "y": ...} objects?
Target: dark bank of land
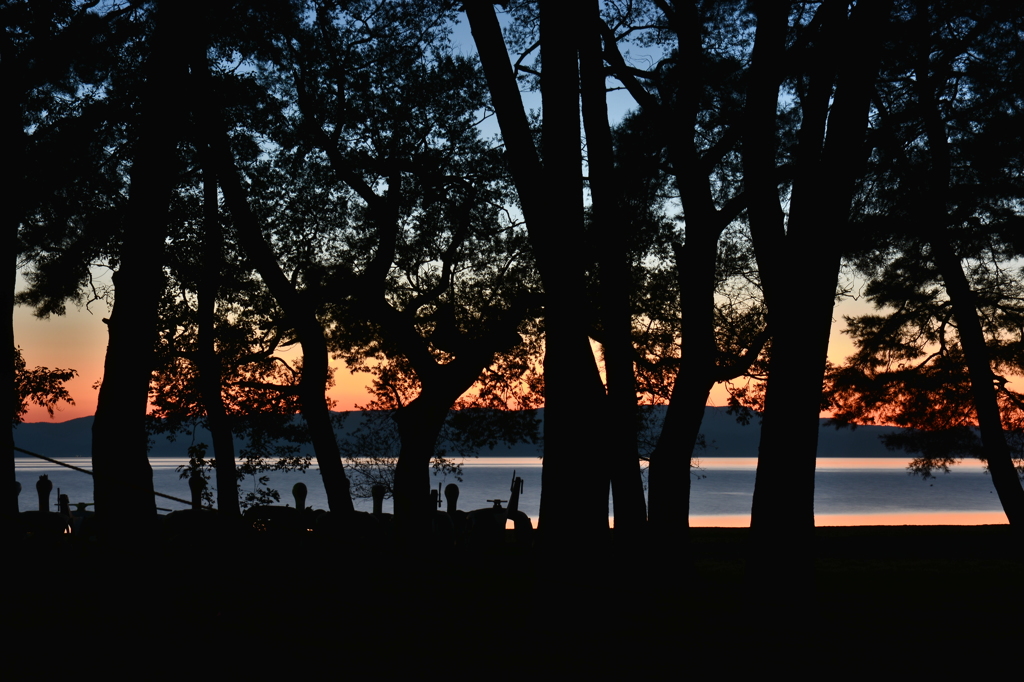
[
  {"x": 723, "y": 435},
  {"x": 922, "y": 590}
]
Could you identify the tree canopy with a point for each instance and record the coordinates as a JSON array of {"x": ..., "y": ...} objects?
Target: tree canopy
[{"x": 275, "y": 185}]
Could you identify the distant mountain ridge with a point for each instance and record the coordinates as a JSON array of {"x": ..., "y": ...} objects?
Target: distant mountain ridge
[{"x": 724, "y": 437}]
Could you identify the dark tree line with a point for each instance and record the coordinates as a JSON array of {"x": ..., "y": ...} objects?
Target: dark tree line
[{"x": 311, "y": 174}]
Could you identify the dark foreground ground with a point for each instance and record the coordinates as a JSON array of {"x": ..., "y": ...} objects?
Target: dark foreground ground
[{"x": 884, "y": 599}]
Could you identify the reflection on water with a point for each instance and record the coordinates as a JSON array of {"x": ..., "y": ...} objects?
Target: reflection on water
[
  {"x": 963, "y": 518},
  {"x": 829, "y": 463},
  {"x": 848, "y": 491},
  {"x": 503, "y": 462},
  {"x": 953, "y": 518}
]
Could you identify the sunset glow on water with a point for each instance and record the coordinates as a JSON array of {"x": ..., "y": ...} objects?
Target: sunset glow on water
[
  {"x": 953, "y": 518},
  {"x": 829, "y": 463},
  {"x": 864, "y": 491}
]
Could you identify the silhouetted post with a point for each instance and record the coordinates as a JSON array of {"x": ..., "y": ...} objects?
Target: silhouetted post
[
  {"x": 299, "y": 492},
  {"x": 197, "y": 485},
  {"x": 43, "y": 488},
  {"x": 451, "y": 494},
  {"x": 523, "y": 524},
  {"x": 513, "y": 498},
  {"x": 63, "y": 504},
  {"x": 378, "y": 500}
]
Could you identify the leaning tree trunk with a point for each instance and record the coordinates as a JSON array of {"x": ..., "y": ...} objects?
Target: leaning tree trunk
[
  {"x": 315, "y": 358},
  {"x": 315, "y": 365},
  {"x": 972, "y": 339},
  {"x": 676, "y": 114},
  {"x": 669, "y": 485}
]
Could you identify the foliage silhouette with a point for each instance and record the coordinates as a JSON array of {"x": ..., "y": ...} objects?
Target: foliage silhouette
[
  {"x": 39, "y": 386},
  {"x": 946, "y": 192},
  {"x": 54, "y": 63}
]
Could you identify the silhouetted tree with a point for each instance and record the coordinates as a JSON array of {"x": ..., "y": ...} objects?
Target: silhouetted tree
[
  {"x": 694, "y": 88},
  {"x": 447, "y": 287},
  {"x": 498, "y": 409},
  {"x": 615, "y": 285},
  {"x": 574, "y": 498},
  {"x": 89, "y": 55},
  {"x": 828, "y": 56},
  {"x": 256, "y": 388},
  {"x": 378, "y": 220},
  {"x": 691, "y": 102},
  {"x": 946, "y": 178},
  {"x": 124, "y": 478},
  {"x": 51, "y": 51}
]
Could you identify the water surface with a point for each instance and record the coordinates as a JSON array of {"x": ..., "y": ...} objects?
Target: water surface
[{"x": 848, "y": 491}]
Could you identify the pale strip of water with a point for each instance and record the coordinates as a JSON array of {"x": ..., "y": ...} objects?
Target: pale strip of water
[{"x": 848, "y": 491}]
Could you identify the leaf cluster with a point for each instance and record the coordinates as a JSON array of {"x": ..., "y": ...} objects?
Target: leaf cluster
[{"x": 39, "y": 386}]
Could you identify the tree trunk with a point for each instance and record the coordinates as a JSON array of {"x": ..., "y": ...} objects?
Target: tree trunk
[
  {"x": 574, "y": 492},
  {"x": 315, "y": 359},
  {"x": 800, "y": 301},
  {"x": 208, "y": 362},
  {"x": 315, "y": 364},
  {"x": 574, "y": 499},
  {"x": 15, "y": 153},
  {"x": 419, "y": 426},
  {"x": 615, "y": 286},
  {"x": 696, "y": 259},
  {"x": 420, "y": 422},
  {"x": 7, "y": 333},
  {"x": 123, "y": 476},
  {"x": 972, "y": 339}
]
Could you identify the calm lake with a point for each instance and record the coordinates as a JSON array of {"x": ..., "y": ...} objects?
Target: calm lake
[{"x": 848, "y": 491}]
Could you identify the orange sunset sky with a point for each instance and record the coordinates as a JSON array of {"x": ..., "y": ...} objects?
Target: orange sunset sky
[{"x": 78, "y": 341}]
